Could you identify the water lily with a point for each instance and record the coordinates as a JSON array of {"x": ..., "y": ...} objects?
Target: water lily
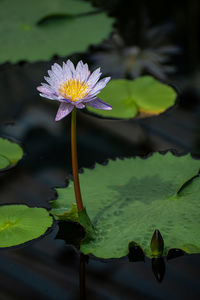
[{"x": 73, "y": 87}]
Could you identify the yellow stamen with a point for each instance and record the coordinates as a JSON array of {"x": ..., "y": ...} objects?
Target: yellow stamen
[{"x": 73, "y": 89}]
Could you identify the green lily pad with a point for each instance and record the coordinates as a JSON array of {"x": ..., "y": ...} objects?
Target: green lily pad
[
  {"x": 129, "y": 199},
  {"x": 65, "y": 213},
  {"x": 144, "y": 95},
  {"x": 4, "y": 163},
  {"x": 20, "y": 224},
  {"x": 41, "y": 29},
  {"x": 70, "y": 213},
  {"x": 10, "y": 153}
]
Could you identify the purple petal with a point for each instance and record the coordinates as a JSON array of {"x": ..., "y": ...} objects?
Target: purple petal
[
  {"x": 63, "y": 110},
  {"x": 71, "y": 68},
  {"x": 85, "y": 73},
  {"x": 50, "y": 81},
  {"x": 67, "y": 74},
  {"x": 69, "y": 101},
  {"x": 52, "y": 97},
  {"x": 99, "y": 86},
  {"x": 80, "y": 105},
  {"x": 88, "y": 98},
  {"x": 82, "y": 72},
  {"x": 78, "y": 72},
  {"x": 48, "y": 86},
  {"x": 94, "y": 77},
  {"x": 61, "y": 99},
  {"x": 99, "y": 104},
  {"x": 45, "y": 90},
  {"x": 54, "y": 76},
  {"x": 57, "y": 70},
  {"x": 79, "y": 66}
]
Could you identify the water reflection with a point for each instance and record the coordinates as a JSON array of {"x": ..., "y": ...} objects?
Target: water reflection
[
  {"x": 82, "y": 276},
  {"x": 135, "y": 253},
  {"x": 158, "y": 268}
]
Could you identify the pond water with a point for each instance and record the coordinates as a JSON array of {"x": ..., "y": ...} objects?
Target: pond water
[{"x": 50, "y": 270}]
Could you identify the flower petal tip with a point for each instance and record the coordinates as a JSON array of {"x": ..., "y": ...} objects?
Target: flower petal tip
[
  {"x": 63, "y": 110},
  {"x": 39, "y": 88},
  {"x": 99, "y": 104}
]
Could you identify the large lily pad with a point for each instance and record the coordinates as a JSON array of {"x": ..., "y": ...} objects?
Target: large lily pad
[
  {"x": 129, "y": 199},
  {"x": 40, "y": 29},
  {"x": 128, "y": 98},
  {"x": 20, "y": 224},
  {"x": 10, "y": 153}
]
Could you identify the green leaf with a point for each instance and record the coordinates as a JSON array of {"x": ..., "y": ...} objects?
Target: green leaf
[
  {"x": 129, "y": 199},
  {"x": 41, "y": 29},
  {"x": 151, "y": 95},
  {"x": 64, "y": 214},
  {"x": 144, "y": 95},
  {"x": 117, "y": 94},
  {"x": 10, "y": 153},
  {"x": 87, "y": 224},
  {"x": 20, "y": 224},
  {"x": 64, "y": 210},
  {"x": 3, "y": 162}
]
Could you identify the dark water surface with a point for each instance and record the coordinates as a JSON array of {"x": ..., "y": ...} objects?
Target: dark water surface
[{"x": 50, "y": 270}]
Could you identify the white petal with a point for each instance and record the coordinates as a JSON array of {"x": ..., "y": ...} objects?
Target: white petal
[
  {"x": 51, "y": 97},
  {"x": 99, "y": 86},
  {"x": 47, "y": 86},
  {"x": 71, "y": 68},
  {"x": 55, "y": 77},
  {"x": 45, "y": 90},
  {"x": 99, "y": 104},
  {"x": 80, "y": 105},
  {"x": 67, "y": 74},
  {"x": 94, "y": 77},
  {"x": 79, "y": 71},
  {"x": 54, "y": 84},
  {"x": 86, "y": 73},
  {"x": 57, "y": 70},
  {"x": 63, "y": 110}
]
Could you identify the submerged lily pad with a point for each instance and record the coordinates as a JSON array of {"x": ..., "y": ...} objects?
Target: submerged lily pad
[
  {"x": 10, "y": 153},
  {"x": 144, "y": 95},
  {"x": 129, "y": 199},
  {"x": 20, "y": 224},
  {"x": 41, "y": 29}
]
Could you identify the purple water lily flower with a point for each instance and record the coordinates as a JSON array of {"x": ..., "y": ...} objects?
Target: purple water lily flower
[{"x": 73, "y": 87}]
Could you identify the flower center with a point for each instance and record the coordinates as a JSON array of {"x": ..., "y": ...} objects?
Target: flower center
[{"x": 73, "y": 89}]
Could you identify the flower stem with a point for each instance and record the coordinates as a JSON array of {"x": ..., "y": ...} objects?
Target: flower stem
[{"x": 75, "y": 162}]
